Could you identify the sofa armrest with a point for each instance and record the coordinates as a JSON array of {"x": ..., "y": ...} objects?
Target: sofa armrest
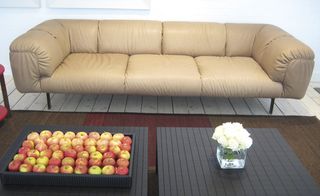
[
  {"x": 37, "y": 53},
  {"x": 285, "y": 59}
]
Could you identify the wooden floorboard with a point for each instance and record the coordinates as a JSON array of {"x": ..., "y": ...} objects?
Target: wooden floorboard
[
  {"x": 308, "y": 106},
  {"x": 149, "y": 104},
  {"x": 26, "y": 101},
  {"x": 240, "y": 106},
  {"x": 265, "y": 102},
  {"x": 86, "y": 104},
  {"x": 40, "y": 103},
  {"x": 118, "y": 103},
  {"x": 195, "y": 105},
  {"x": 71, "y": 103},
  {"x": 255, "y": 106},
  {"x": 180, "y": 105},
  {"x": 210, "y": 105},
  {"x": 165, "y": 105},
  {"x": 102, "y": 103},
  {"x": 225, "y": 106},
  {"x": 134, "y": 103}
]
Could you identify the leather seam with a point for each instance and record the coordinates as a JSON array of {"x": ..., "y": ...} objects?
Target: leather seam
[{"x": 255, "y": 37}]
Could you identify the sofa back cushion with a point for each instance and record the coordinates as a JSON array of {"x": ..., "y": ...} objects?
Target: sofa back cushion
[
  {"x": 194, "y": 38},
  {"x": 83, "y": 35},
  {"x": 129, "y": 37},
  {"x": 240, "y": 39}
]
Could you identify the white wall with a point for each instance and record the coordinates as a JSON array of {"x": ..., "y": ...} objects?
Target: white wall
[{"x": 298, "y": 17}]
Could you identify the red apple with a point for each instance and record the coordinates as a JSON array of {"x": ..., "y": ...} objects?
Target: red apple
[
  {"x": 24, "y": 150},
  {"x": 52, "y": 169},
  {"x": 109, "y": 154},
  {"x": 52, "y": 140},
  {"x": 108, "y": 170},
  {"x": 65, "y": 147},
  {"x": 33, "y": 135},
  {"x": 68, "y": 161},
  {"x": 54, "y": 147},
  {"x": 118, "y": 136},
  {"x": 30, "y": 160},
  {"x": 40, "y": 140},
  {"x": 41, "y": 147},
  {"x": 43, "y": 160},
  {"x": 39, "y": 168},
  {"x": 108, "y": 161},
  {"x": 33, "y": 153},
  {"x": 28, "y": 143},
  {"x": 81, "y": 169},
  {"x": 77, "y": 141},
  {"x": 25, "y": 167},
  {"x": 102, "y": 148},
  {"x": 66, "y": 169},
  {"x": 58, "y": 134},
  {"x": 126, "y": 140},
  {"x": 95, "y": 135},
  {"x": 115, "y": 149},
  {"x": 102, "y": 142},
  {"x": 82, "y": 135},
  {"x": 96, "y": 155},
  {"x": 125, "y": 146},
  {"x": 45, "y": 134},
  {"x": 58, "y": 154},
  {"x": 78, "y": 148},
  {"x": 83, "y": 154},
  {"x": 55, "y": 161},
  {"x": 14, "y": 165},
  {"x": 122, "y": 162},
  {"x": 90, "y": 149},
  {"x": 122, "y": 171},
  {"x": 106, "y": 135},
  {"x": 82, "y": 161},
  {"x": 70, "y": 135},
  {"x": 90, "y": 142},
  {"x": 19, "y": 157},
  {"x": 95, "y": 170},
  {"x": 114, "y": 142},
  {"x": 124, "y": 154},
  {"x": 96, "y": 162},
  {"x": 64, "y": 141},
  {"x": 46, "y": 153},
  {"x": 70, "y": 153}
]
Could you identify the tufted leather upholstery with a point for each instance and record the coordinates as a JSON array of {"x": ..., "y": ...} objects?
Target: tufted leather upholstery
[{"x": 161, "y": 58}]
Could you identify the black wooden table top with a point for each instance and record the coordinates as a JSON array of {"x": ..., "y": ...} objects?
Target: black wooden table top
[
  {"x": 187, "y": 165},
  {"x": 140, "y": 171}
]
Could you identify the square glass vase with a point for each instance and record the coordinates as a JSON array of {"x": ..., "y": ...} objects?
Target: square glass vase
[{"x": 229, "y": 159}]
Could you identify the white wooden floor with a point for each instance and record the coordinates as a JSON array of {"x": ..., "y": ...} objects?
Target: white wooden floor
[{"x": 308, "y": 106}]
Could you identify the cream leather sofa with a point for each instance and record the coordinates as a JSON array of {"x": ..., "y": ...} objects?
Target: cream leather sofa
[{"x": 161, "y": 58}]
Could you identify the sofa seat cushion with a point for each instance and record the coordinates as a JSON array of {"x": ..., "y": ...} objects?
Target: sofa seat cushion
[
  {"x": 163, "y": 75},
  {"x": 235, "y": 77},
  {"x": 88, "y": 73}
]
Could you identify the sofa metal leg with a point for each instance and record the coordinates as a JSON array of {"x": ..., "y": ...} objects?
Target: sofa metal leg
[
  {"x": 48, "y": 101},
  {"x": 271, "y": 105}
]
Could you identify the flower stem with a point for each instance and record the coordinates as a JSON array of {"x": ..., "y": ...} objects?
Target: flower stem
[{"x": 229, "y": 154}]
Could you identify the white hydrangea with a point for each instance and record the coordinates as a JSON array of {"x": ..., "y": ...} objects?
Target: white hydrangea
[{"x": 233, "y": 136}]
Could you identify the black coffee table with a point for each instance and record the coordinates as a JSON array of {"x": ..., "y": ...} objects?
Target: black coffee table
[
  {"x": 139, "y": 179},
  {"x": 186, "y": 165}
]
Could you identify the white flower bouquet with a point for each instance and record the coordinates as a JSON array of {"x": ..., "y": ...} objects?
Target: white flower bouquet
[{"x": 232, "y": 136}]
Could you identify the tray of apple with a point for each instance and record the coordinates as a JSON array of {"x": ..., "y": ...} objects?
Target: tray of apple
[{"x": 91, "y": 156}]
